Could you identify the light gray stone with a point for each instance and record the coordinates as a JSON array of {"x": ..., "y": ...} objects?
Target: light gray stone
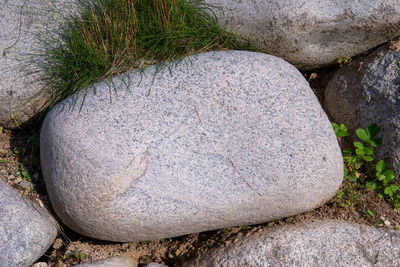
[
  {"x": 153, "y": 264},
  {"x": 21, "y": 22},
  {"x": 319, "y": 243},
  {"x": 26, "y": 231},
  {"x": 312, "y": 33},
  {"x": 368, "y": 91},
  {"x": 222, "y": 139},
  {"x": 118, "y": 261}
]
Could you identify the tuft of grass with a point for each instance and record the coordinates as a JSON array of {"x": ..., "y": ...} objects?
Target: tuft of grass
[{"x": 108, "y": 37}]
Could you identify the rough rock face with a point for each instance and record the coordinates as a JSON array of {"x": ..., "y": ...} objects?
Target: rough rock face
[
  {"x": 368, "y": 91},
  {"x": 222, "y": 139},
  {"x": 319, "y": 243},
  {"x": 26, "y": 231},
  {"x": 312, "y": 33},
  {"x": 118, "y": 261},
  {"x": 21, "y": 22}
]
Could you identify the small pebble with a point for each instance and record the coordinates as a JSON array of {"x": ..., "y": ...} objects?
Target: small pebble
[
  {"x": 25, "y": 185},
  {"x": 153, "y": 264},
  {"x": 40, "y": 264},
  {"x": 57, "y": 243}
]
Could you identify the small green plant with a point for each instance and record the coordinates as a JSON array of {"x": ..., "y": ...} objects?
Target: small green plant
[
  {"x": 25, "y": 175},
  {"x": 359, "y": 162},
  {"x": 346, "y": 197},
  {"x": 370, "y": 213},
  {"x": 344, "y": 60},
  {"x": 76, "y": 254}
]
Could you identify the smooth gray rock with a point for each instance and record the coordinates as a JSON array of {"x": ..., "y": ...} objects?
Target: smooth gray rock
[
  {"x": 223, "y": 139},
  {"x": 368, "y": 91},
  {"x": 118, "y": 261},
  {"x": 26, "y": 231},
  {"x": 319, "y": 243},
  {"x": 312, "y": 33},
  {"x": 21, "y": 22},
  {"x": 153, "y": 264}
]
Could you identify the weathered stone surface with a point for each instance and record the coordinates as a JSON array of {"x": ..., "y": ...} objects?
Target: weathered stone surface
[
  {"x": 368, "y": 91},
  {"x": 118, "y": 261},
  {"x": 21, "y": 22},
  {"x": 312, "y": 33},
  {"x": 222, "y": 139},
  {"x": 153, "y": 264},
  {"x": 26, "y": 231},
  {"x": 319, "y": 243}
]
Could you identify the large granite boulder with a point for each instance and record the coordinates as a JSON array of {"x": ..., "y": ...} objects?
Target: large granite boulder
[
  {"x": 312, "y": 33},
  {"x": 368, "y": 91},
  {"x": 222, "y": 139},
  {"x": 26, "y": 231},
  {"x": 22, "y": 24},
  {"x": 319, "y": 243}
]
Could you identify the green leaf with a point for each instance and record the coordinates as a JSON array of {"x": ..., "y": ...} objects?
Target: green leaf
[
  {"x": 368, "y": 158},
  {"x": 343, "y": 127},
  {"x": 359, "y": 145},
  {"x": 369, "y": 212},
  {"x": 391, "y": 190},
  {"x": 372, "y": 130},
  {"x": 387, "y": 180},
  {"x": 352, "y": 177},
  {"x": 388, "y": 172},
  {"x": 372, "y": 185},
  {"x": 363, "y": 135},
  {"x": 380, "y": 166},
  {"x": 340, "y": 130},
  {"x": 360, "y": 151},
  {"x": 368, "y": 151},
  {"x": 389, "y": 176},
  {"x": 4, "y": 161},
  {"x": 335, "y": 127},
  {"x": 347, "y": 152},
  {"x": 380, "y": 177}
]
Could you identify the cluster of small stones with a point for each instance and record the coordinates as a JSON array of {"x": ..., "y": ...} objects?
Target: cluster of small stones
[{"x": 225, "y": 139}]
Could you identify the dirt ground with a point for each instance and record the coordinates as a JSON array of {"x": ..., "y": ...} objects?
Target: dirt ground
[{"x": 20, "y": 167}]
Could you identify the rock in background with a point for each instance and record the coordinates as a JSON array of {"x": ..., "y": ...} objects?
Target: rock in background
[
  {"x": 368, "y": 91},
  {"x": 21, "y": 23},
  {"x": 312, "y": 33},
  {"x": 118, "y": 261},
  {"x": 26, "y": 231},
  {"x": 319, "y": 243},
  {"x": 222, "y": 139}
]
